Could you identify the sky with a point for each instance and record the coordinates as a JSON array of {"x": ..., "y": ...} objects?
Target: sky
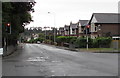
[{"x": 57, "y": 13}]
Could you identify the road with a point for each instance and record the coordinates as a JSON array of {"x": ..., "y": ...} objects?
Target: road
[{"x": 45, "y": 60}]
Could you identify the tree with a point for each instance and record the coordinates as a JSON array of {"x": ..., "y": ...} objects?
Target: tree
[{"x": 18, "y": 15}]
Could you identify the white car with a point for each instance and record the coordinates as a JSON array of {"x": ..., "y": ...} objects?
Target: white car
[{"x": 38, "y": 42}]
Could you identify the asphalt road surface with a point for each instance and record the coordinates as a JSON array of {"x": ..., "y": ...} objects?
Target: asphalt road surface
[{"x": 45, "y": 60}]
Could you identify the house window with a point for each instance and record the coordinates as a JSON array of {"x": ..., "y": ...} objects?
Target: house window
[
  {"x": 82, "y": 30},
  {"x": 73, "y": 31},
  {"x": 95, "y": 28}
]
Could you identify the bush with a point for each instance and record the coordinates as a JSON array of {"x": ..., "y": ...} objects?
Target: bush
[
  {"x": 81, "y": 42},
  {"x": 103, "y": 42},
  {"x": 61, "y": 39},
  {"x": 65, "y": 39},
  {"x": 35, "y": 40},
  {"x": 73, "y": 40},
  {"x": 40, "y": 39},
  {"x": 32, "y": 41}
]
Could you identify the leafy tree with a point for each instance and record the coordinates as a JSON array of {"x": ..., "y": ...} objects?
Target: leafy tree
[{"x": 18, "y": 15}]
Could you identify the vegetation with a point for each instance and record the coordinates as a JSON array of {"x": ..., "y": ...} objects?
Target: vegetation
[
  {"x": 18, "y": 15},
  {"x": 65, "y": 39},
  {"x": 102, "y": 42},
  {"x": 80, "y": 42}
]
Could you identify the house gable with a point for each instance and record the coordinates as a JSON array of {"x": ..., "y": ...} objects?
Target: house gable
[{"x": 94, "y": 20}]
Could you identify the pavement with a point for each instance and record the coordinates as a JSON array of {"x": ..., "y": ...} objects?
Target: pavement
[
  {"x": 46, "y": 60},
  {"x": 0, "y": 66}
]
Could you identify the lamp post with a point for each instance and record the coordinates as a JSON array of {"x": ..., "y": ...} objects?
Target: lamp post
[{"x": 54, "y": 26}]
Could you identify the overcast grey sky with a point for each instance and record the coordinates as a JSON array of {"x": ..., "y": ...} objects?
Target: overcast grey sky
[{"x": 66, "y": 11}]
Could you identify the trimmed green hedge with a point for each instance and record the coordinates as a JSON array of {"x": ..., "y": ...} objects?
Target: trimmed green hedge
[
  {"x": 80, "y": 42},
  {"x": 103, "y": 42},
  {"x": 66, "y": 39}
]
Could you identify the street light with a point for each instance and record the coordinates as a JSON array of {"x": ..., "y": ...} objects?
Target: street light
[{"x": 54, "y": 26}]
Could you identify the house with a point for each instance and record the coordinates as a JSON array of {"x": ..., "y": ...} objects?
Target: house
[
  {"x": 82, "y": 24},
  {"x": 61, "y": 31},
  {"x": 74, "y": 29},
  {"x": 67, "y": 30},
  {"x": 104, "y": 25}
]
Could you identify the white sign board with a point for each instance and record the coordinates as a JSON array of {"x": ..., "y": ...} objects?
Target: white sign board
[{"x": 1, "y": 51}]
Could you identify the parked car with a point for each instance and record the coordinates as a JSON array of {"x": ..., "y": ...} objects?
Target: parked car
[{"x": 38, "y": 42}]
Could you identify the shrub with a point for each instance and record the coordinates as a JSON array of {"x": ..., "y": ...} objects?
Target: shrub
[
  {"x": 65, "y": 39},
  {"x": 31, "y": 41},
  {"x": 61, "y": 39},
  {"x": 40, "y": 39},
  {"x": 73, "y": 40},
  {"x": 82, "y": 41},
  {"x": 102, "y": 42}
]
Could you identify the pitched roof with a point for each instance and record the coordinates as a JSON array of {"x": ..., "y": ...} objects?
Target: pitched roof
[
  {"x": 73, "y": 25},
  {"x": 105, "y": 17},
  {"x": 83, "y": 22},
  {"x": 66, "y": 27},
  {"x": 61, "y": 28}
]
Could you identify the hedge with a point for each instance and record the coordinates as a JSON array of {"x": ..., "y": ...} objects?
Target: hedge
[{"x": 81, "y": 42}]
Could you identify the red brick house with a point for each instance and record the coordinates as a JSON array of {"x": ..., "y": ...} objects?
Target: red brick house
[{"x": 104, "y": 24}]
